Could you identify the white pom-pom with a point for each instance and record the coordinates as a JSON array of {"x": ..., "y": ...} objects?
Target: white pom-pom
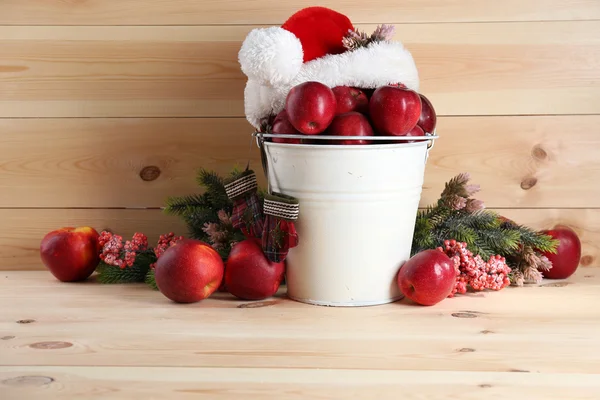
[
  {"x": 257, "y": 102},
  {"x": 271, "y": 55}
]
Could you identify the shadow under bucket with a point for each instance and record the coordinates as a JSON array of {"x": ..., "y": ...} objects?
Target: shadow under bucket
[{"x": 358, "y": 206}]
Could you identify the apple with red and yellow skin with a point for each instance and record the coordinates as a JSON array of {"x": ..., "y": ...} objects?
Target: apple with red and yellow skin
[
  {"x": 249, "y": 274},
  {"x": 71, "y": 254},
  {"x": 427, "y": 278},
  {"x": 189, "y": 271},
  {"x": 568, "y": 252}
]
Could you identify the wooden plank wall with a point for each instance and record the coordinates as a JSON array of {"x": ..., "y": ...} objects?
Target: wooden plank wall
[{"x": 94, "y": 92}]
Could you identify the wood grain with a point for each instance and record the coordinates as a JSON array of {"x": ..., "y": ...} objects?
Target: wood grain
[
  {"x": 142, "y": 71},
  {"x": 88, "y": 324},
  {"x": 537, "y": 161},
  {"x": 101, "y": 162},
  {"x": 189, "y": 12},
  {"x": 22, "y": 229},
  {"x": 126, "y": 383}
]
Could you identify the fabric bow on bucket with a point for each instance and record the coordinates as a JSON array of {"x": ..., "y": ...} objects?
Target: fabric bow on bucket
[
  {"x": 247, "y": 214},
  {"x": 279, "y": 232}
]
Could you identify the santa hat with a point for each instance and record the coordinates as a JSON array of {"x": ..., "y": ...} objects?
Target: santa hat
[{"x": 318, "y": 44}]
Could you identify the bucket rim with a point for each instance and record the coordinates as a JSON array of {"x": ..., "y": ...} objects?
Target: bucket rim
[
  {"x": 400, "y": 141},
  {"x": 348, "y": 147}
]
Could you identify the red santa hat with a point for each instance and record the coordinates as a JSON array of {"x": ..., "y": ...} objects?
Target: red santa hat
[{"x": 318, "y": 44}]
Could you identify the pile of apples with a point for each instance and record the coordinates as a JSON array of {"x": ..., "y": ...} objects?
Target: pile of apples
[{"x": 312, "y": 108}]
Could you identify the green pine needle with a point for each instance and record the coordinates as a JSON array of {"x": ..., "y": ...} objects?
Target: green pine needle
[
  {"x": 456, "y": 186},
  {"x": 151, "y": 280},
  {"x": 183, "y": 205},
  {"x": 110, "y": 274},
  {"x": 215, "y": 188},
  {"x": 538, "y": 241},
  {"x": 198, "y": 210}
]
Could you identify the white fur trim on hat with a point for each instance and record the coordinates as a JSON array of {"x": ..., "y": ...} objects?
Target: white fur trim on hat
[
  {"x": 376, "y": 65},
  {"x": 271, "y": 55}
]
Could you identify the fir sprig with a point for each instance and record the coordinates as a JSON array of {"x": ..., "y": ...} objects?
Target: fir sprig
[
  {"x": 207, "y": 213},
  {"x": 150, "y": 279},
  {"x": 356, "y": 39},
  {"x": 215, "y": 188},
  {"x": 110, "y": 274},
  {"x": 184, "y": 204},
  {"x": 456, "y": 215},
  {"x": 533, "y": 239}
]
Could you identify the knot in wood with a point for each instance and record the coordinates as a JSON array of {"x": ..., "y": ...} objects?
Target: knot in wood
[
  {"x": 258, "y": 304},
  {"x": 464, "y": 315},
  {"x": 31, "y": 380},
  {"x": 50, "y": 345},
  {"x": 556, "y": 284},
  {"x": 150, "y": 173},
  {"x": 538, "y": 153},
  {"x": 528, "y": 182},
  {"x": 25, "y": 321},
  {"x": 587, "y": 260},
  {"x": 466, "y": 350}
]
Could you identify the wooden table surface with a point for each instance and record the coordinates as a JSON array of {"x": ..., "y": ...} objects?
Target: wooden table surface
[{"x": 92, "y": 341}]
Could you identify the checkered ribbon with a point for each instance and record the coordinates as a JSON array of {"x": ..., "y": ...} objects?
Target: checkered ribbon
[
  {"x": 279, "y": 232},
  {"x": 247, "y": 214}
]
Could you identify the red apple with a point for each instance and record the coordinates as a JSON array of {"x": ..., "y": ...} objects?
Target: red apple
[
  {"x": 427, "y": 278},
  {"x": 568, "y": 253},
  {"x": 416, "y": 131},
  {"x": 249, "y": 275},
  {"x": 283, "y": 126},
  {"x": 310, "y": 107},
  {"x": 394, "y": 110},
  {"x": 71, "y": 254},
  {"x": 350, "y": 99},
  {"x": 189, "y": 271},
  {"x": 350, "y": 124},
  {"x": 428, "y": 118}
]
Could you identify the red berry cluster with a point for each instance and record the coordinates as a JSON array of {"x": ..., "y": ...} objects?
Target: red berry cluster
[
  {"x": 115, "y": 252},
  {"x": 473, "y": 270},
  {"x": 164, "y": 242}
]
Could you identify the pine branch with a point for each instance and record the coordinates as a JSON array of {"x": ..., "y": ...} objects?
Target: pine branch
[
  {"x": 150, "y": 280},
  {"x": 215, "y": 188},
  {"x": 422, "y": 236},
  {"x": 536, "y": 240},
  {"x": 110, "y": 274},
  {"x": 456, "y": 186},
  {"x": 183, "y": 205},
  {"x": 482, "y": 219}
]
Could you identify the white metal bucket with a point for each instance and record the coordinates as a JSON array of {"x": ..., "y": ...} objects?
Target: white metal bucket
[{"x": 358, "y": 205}]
